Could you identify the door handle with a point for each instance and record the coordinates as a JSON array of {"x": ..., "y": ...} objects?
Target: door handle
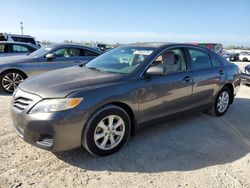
[
  {"x": 221, "y": 72},
  {"x": 187, "y": 79}
]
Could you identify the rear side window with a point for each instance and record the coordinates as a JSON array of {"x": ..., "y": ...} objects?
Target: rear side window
[
  {"x": 25, "y": 40},
  {"x": 85, "y": 52},
  {"x": 215, "y": 62},
  {"x": 19, "y": 48},
  {"x": 199, "y": 59}
]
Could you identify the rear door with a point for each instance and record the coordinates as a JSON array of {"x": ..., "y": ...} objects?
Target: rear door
[{"x": 207, "y": 73}]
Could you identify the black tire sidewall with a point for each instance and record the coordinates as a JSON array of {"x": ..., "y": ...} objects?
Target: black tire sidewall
[
  {"x": 217, "y": 113},
  {"x": 88, "y": 132}
]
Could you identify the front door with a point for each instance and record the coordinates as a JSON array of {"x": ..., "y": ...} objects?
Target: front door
[{"x": 164, "y": 95}]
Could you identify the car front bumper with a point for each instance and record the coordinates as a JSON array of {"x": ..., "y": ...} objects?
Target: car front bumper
[{"x": 59, "y": 131}]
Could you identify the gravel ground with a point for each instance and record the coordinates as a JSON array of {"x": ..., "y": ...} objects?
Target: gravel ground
[{"x": 196, "y": 150}]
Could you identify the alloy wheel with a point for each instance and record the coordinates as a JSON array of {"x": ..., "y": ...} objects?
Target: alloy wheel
[
  {"x": 109, "y": 132},
  {"x": 11, "y": 80},
  {"x": 223, "y": 102}
]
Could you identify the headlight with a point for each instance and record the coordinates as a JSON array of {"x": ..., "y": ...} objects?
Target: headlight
[{"x": 55, "y": 105}]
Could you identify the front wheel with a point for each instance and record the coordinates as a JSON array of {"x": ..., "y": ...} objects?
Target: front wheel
[
  {"x": 106, "y": 131},
  {"x": 221, "y": 102},
  {"x": 10, "y": 80}
]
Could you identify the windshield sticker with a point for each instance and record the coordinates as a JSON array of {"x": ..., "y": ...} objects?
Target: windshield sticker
[
  {"x": 143, "y": 52},
  {"x": 47, "y": 49}
]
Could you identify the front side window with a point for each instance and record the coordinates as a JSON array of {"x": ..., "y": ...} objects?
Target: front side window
[
  {"x": 67, "y": 52},
  {"x": 172, "y": 60},
  {"x": 199, "y": 59},
  {"x": 122, "y": 60},
  {"x": 19, "y": 48}
]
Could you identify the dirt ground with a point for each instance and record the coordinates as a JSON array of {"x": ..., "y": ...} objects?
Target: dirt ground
[{"x": 196, "y": 150}]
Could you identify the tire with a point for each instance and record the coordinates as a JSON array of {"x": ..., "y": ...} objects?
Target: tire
[
  {"x": 9, "y": 80},
  {"x": 244, "y": 59},
  {"x": 99, "y": 138},
  {"x": 221, "y": 104}
]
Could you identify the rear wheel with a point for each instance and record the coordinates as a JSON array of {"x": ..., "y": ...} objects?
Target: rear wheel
[
  {"x": 9, "y": 80},
  {"x": 221, "y": 102},
  {"x": 106, "y": 131},
  {"x": 245, "y": 59}
]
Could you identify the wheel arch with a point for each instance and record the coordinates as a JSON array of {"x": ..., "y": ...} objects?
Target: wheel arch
[
  {"x": 16, "y": 70},
  {"x": 123, "y": 106},
  {"x": 231, "y": 89}
]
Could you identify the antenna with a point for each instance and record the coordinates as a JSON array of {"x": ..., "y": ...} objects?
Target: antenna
[{"x": 21, "y": 23}]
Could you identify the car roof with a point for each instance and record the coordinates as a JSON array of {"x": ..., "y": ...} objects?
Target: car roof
[
  {"x": 161, "y": 45},
  {"x": 16, "y": 35},
  {"x": 59, "y": 45},
  {"x": 23, "y": 43}
]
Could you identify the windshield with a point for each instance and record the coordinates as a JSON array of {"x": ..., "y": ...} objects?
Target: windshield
[
  {"x": 41, "y": 52},
  {"x": 120, "y": 60}
]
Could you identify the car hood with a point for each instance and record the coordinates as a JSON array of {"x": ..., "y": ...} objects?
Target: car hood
[
  {"x": 15, "y": 59},
  {"x": 62, "y": 82}
]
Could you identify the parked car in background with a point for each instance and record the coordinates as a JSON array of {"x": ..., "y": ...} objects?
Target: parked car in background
[
  {"x": 233, "y": 57},
  {"x": 18, "y": 38},
  {"x": 246, "y": 75},
  {"x": 16, "y": 48},
  {"x": 14, "y": 70},
  {"x": 244, "y": 56},
  {"x": 100, "y": 104},
  {"x": 216, "y": 47}
]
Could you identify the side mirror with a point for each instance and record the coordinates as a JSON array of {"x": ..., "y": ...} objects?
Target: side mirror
[
  {"x": 156, "y": 70},
  {"x": 50, "y": 56}
]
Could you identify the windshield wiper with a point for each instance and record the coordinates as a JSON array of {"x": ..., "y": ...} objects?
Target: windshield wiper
[{"x": 97, "y": 69}]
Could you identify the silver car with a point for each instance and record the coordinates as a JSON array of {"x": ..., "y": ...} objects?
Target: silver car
[{"x": 14, "y": 70}]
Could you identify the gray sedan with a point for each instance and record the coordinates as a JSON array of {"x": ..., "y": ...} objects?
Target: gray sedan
[
  {"x": 100, "y": 104},
  {"x": 14, "y": 70}
]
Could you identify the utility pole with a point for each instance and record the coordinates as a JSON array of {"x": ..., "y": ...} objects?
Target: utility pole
[{"x": 21, "y": 23}]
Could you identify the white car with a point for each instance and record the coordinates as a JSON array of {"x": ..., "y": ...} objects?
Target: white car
[
  {"x": 245, "y": 56},
  {"x": 18, "y": 38}
]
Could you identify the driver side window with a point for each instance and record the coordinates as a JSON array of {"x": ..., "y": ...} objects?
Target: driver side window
[
  {"x": 67, "y": 52},
  {"x": 172, "y": 60}
]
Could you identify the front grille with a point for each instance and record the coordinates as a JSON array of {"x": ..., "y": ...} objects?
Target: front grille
[
  {"x": 22, "y": 100},
  {"x": 22, "y": 103}
]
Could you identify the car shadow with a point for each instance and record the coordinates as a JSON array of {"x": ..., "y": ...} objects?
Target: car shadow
[
  {"x": 4, "y": 94},
  {"x": 191, "y": 142}
]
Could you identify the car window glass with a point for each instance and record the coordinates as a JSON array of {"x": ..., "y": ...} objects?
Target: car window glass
[
  {"x": 215, "y": 62},
  {"x": 121, "y": 60},
  {"x": 199, "y": 59},
  {"x": 19, "y": 48},
  {"x": 172, "y": 60},
  {"x": 89, "y": 53},
  {"x": 67, "y": 52},
  {"x": 22, "y": 39},
  {"x": 2, "y": 48}
]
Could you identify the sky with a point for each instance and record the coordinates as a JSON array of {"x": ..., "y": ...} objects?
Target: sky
[{"x": 127, "y": 21}]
